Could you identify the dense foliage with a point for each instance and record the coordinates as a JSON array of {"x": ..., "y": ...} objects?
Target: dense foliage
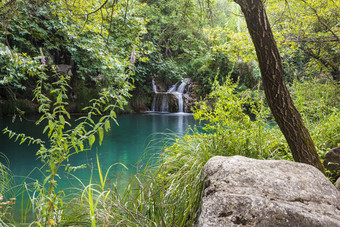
[
  {"x": 310, "y": 29},
  {"x": 57, "y": 34},
  {"x": 168, "y": 40}
]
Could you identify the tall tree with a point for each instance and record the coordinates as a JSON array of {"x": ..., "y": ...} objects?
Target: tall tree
[{"x": 286, "y": 115}]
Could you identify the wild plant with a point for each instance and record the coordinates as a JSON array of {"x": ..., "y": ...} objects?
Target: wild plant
[
  {"x": 7, "y": 198},
  {"x": 64, "y": 139}
]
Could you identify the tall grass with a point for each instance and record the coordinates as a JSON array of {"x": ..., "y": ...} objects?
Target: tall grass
[
  {"x": 154, "y": 197},
  {"x": 7, "y": 197}
]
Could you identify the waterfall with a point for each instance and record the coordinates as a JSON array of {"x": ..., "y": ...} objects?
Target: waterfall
[
  {"x": 154, "y": 102},
  {"x": 154, "y": 87},
  {"x": 179, "y": 94},
  {"x": 161, "y": 99},
  {"x": 172, "y": 89},
  {"x": 165, "y": 104},
  {"x": 179, "y": 97},
  {"x": 181, "y": 87}
]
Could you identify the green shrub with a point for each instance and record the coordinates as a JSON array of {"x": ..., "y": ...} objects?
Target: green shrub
[{"x": 318, "y": 101}]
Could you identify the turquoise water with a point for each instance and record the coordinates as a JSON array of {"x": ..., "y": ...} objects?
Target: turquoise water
[{"x": 137, "y": 137}]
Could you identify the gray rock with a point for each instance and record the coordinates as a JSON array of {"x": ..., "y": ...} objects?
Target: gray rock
[
  {"x": 332, "y": 159},
  {"x": 247, "y": 192},
  {"x": 64, "y": 69},
  {"x": 337, "y": 183}
]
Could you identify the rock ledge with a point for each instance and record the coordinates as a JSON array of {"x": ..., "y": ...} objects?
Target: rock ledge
[{"x": 247, "y": 192}]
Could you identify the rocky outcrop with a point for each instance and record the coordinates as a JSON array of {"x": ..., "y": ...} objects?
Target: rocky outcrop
[
  {"x": 165, "y": 102},
  {"x": 246, "y": 192},
  {"x": 64, "y": 69},
  {"x": 191, "y": 97},
  {"x": 332, "y": 159},
  {"x": 337, "y": 184}
]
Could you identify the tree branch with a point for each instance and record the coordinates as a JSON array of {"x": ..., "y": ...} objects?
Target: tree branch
[
  {"x": 322, "y": 60},
  {"x": 314, "y": 40},
  {"x": 322, "y": 22},
  {"x": 98, "y": 8}
]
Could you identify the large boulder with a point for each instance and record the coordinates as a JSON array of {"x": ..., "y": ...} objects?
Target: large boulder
[
  {"x": 246, "y": 192},
  {"x": 337, "y": 183},
  {"x": 332, "y": 159}
]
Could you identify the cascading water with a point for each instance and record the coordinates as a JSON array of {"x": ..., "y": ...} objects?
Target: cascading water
[
  {"x": 163, "y": 97},
  {"x": 154, "y": 87},
  {"x": 172, "y": 89},
  {"x": 179, "y": 97},
  {"x": 179, "y": 94},
  {"x": 155, "y": 99},
  {"x": 165, "y": 104},
  {"x": 181, "y": 87}
]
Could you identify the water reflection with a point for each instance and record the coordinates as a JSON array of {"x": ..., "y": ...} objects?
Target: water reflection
[{"x": 125, "y": 143}]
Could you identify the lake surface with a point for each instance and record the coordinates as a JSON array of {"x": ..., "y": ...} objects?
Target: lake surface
[{"x": 138, "y": 136}]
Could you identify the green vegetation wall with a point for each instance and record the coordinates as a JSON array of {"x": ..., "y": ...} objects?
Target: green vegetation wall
[{"x": 90, "y": 41}]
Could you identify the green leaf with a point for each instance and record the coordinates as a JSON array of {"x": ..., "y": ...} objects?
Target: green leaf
[
  {"x": 100, "y": 174},
  {"x": 92, "y": 138},
  {"x": 107, "y": 125},
  {"x": 62, "y": 119},
  {"x": 23, "y": 139},
  {"x": 47, "y": 126},
  {"x": 101, "y": 135},
  {"x": 59, "y": 98},
  {"x": 65, "y": 146},
  {"x": 72, "y": 140}
]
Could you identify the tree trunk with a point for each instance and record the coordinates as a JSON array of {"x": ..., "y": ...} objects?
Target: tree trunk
[{"x": 281, "y": 104}]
